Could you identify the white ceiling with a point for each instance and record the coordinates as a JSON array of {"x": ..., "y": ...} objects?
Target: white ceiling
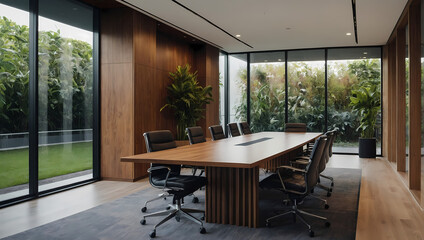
[{"x": 279, "y": 24}]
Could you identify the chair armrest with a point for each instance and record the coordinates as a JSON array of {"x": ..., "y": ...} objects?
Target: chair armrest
[
  {"x": 293, "y": 169},
  {"x": 158, "y": 168}
]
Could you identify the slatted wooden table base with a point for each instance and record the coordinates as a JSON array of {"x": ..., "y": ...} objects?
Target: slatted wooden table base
[{"x": 232, "y": 196}]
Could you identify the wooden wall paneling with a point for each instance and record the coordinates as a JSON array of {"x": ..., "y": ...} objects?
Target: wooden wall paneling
[
  {"x": 117, "y": 107},
  {"x": 400, "y": 100},
  {"x": 117, "y": 126},
  {"x": 386, "y": 99},
  {"x": 415, "y": 96},
  {"x": 212, "y": 78},
  {"x": 392, "y": 101},
  {"x": 144, "y": 50},
  {"x": 116, "y": 36}
]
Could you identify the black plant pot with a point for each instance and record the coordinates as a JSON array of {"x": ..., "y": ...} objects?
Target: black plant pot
[{"x": 367, "y": 147}]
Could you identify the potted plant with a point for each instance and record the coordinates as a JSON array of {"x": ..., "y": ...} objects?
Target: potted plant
[
  {"x": 187, "y": 99},
  {"x": 366, "y": 101}
]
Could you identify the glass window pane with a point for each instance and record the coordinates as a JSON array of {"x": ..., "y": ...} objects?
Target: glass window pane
[
  {"x": 348, "y": 68},
  {"x": 65, "y": 93},
  {"x": 238, "y": 87},
  {"x": 267, "y": 91},
  {"x": 306, "y": 88},
  {"x": 14, "y": 79}
]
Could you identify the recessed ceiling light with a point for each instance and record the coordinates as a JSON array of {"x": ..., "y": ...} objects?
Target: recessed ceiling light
[
  {"x": 364, "y": 57},
  {"x": 238, "y": 35},
  {"x": 265, "y": 60},
  {"x": 365, "y": 53},
  {"x": 279, "y": 59},
  {"x": 348, "y": 34}
]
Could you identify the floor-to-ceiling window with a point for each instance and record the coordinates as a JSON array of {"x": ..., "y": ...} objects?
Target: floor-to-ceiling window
[
  {"x": 319, "y": 86},
  {"x": 306, "y": 88},
  {"x": 237, "y": 98},
  {"x": 267, "y": 91},
  {"x": 14, "y": 78},
  {"x": 65, "y": 92},
  {"x": 62, "y": 98},
  {"x": 349, "y": 69}
]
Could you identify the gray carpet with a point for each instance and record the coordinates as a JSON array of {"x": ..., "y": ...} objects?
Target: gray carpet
[{"x": 120, "y": 219}]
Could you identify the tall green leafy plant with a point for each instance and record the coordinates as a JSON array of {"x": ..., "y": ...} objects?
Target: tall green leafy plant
[
  {"x": 366, "y": 101},
  {"x": 186, "y": 98}
]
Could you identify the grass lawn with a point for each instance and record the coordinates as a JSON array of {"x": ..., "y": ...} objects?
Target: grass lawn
[{"x": 54, "y": 160}]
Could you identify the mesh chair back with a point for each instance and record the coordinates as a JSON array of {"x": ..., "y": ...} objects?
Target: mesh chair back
[
  {"x": 312, "y": 174},
  {"x": 295, "y": 127},
  {"x": 195, "y": 135},
  {"x": 245, "y": 129},
  {"x": 234, "y": 131},
  {"x": 217, "y": 132},
  {"x": 158, "y": 141}
]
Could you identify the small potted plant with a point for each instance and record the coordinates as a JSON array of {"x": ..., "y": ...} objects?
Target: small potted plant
[
  {"x": 187, "y": 99},
  {"x": 365, "y": 101}
]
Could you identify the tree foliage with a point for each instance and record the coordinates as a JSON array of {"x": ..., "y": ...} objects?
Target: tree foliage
[{"x": 65, "y": 80}]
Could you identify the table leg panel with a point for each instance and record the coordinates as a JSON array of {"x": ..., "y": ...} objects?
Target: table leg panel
[{"x": 237, "y": 196}]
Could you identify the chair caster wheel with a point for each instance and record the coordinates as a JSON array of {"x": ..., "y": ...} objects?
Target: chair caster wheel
[
  {"x": 331, "y": 190},
  {"x": 202, "y": 218},
  {"x": 167, "y": 208},
  {"x": 312, "y": 191},
  {"x": 332, "y": 184},
  {"x": 327, "y": 224},
  {"x": 152, "y": 234},
  {"x": 144, "y": 209},
  {"x": 311, "y": 233},
  {"x": 267, "y": 224},
  {"x": 202, "y": 230},
  {"x": 326, "y": 206},
  {"x": 177, "y": 218},
  {"x": 195, "y": 200},
  {"x": 328, "y": 194},
  {"x": 143, "y": 222}
]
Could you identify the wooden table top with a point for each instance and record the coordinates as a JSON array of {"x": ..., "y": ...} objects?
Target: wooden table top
[{"x": 245, "y": 151}]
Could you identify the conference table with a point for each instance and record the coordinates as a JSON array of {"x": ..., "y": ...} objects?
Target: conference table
[{"x": 232, "y": 170}]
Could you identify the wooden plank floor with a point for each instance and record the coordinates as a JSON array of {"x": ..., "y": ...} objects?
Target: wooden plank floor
[{"x": 386, "y": 208}]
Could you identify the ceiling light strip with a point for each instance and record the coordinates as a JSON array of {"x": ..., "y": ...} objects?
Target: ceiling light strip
[
  {"x": 213, "y": 24},
  {"x": 168, "y": 23},
  {"x": 354, "y": 20}
]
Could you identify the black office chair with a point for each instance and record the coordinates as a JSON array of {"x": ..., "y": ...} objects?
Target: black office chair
[
  {"x": 233, "y": 130},
  {"x": 195, "y": 135},
  {"x": 331, "y": 143},
  {"x": 298, "y": 183},
  {"x": 245, "y": 129},
  {"x": 322, "y": 165},
  {"x": 217, "y": 132},
  {"x": 168, "y": 178},
  {"x": 295, "y": 127}
]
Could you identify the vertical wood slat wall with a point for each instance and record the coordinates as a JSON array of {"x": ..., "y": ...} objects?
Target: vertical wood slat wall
[
  {"x": 394, "y": 95},
  {"x": 136, "y": 58}
]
